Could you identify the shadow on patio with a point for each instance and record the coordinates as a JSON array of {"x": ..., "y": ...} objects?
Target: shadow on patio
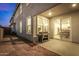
[{"x": 15, "y": 46}]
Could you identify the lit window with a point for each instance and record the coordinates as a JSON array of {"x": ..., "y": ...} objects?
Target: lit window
[
  {"x": 28, "y": 24},
  {"x": 42, "y": 24},
  {"x": 20, "y": 26}
]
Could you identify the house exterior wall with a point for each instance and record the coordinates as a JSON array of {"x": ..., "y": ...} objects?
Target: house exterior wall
[
  {"x": 74, "y": 25},
  {"x": 29, "y": 10},
  {"x": 16, "y": 20},
  {"x": 33, "y": 10},
  {"x": 75, "y": 29}
]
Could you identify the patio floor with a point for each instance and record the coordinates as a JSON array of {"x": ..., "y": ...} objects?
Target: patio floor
[
  {"x": 13, "y": 46},
  {"x": 62, "y": 47}
]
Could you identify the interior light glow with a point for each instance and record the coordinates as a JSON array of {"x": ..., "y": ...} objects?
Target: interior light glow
[
  {"x": 74, "y": 5},
  {"x": 50, "y": 14}
]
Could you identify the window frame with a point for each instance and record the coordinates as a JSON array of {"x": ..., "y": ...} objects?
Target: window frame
[{"x": 27, "y": 24}]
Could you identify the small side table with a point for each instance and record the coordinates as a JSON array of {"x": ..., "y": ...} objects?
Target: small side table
[{"x": 42, "y": 37}]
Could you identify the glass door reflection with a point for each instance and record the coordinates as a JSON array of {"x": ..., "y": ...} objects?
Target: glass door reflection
[
  {"x": 65, "y": 34},
  {"x": 57, "y": 29},
  {"x": 62, "y": 28}
]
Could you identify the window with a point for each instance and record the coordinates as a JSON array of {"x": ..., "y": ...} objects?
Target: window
[
  {"x": 20, "y": 26},
  {"x": 42, "y": 24},
  {"x": 28, "y": 24}
]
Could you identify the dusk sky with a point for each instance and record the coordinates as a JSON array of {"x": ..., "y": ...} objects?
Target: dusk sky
[{"x": 6, "y": 12}]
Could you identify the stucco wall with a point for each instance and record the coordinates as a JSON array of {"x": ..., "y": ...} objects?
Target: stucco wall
[
  {"x": 32, "y": 10},
  {"x": 75, "y": 29},
  {"x": 51, "y": 28}
]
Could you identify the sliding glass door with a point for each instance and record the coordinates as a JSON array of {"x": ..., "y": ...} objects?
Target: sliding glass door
[
  {"x": 57, "y": 29},
  {"x": 66, "y": 29},
  {"x": 62, "y": 28}
]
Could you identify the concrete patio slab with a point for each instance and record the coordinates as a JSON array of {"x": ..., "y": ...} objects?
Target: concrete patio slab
[
  {"x": 62, "y": 47},
  {"x": 14, "y": 46}
]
